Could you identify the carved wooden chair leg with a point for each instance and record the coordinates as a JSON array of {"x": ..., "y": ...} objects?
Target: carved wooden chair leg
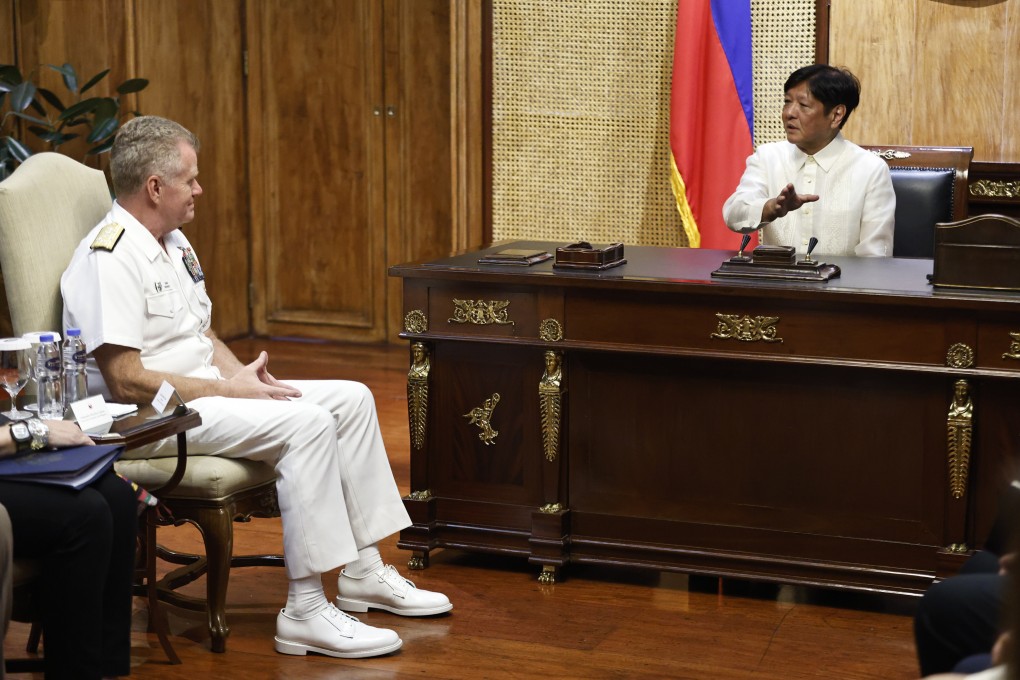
[
  {"x": 157, "y": 615},
  {"x": 34, "y": 634},
  {"x": 218, "y": 535}
]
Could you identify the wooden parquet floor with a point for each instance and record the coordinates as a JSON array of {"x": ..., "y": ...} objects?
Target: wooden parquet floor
[{"x": 598, "y": 623}]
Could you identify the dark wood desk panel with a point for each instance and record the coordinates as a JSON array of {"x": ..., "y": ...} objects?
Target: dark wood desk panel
[{"x": 820, "y": 458}]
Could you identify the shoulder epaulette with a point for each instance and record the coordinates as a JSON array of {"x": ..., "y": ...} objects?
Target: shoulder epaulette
[{"x": 108, "y": 237}]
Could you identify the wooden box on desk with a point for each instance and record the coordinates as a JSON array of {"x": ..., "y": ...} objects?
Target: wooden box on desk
[{"x": 979, "y": 252}]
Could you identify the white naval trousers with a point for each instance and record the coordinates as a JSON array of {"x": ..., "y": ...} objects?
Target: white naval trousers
[{"x": 334, "y": 483}]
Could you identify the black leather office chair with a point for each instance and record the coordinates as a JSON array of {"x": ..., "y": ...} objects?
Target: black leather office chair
[{"x": 931, "y": 186}]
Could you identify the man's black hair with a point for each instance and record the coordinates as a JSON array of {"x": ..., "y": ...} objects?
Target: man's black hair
[{"x": 829, "y": 85}]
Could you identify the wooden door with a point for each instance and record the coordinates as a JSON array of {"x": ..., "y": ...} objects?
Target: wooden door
[
  {"x": 419, "y": 138},
  {"x": 316, "y": 159}
]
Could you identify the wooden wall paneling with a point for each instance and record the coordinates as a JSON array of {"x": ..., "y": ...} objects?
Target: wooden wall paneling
[
  {"x": 419, "y": 138},
  {"x": 469, "y": 39},
  {"x": 92, "y": 36},
  {"x": 7, "y": 37},
  {"x": 882, "y": 59},
  {"x": 192, "y": 53},
  {"x": 959, "y": 79},
  {"x": 1009, "y": 119},
  {"x": 316, "y": 162}
]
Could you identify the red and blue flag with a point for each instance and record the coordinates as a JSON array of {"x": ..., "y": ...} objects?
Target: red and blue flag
[{"x": 711, "y": 114}]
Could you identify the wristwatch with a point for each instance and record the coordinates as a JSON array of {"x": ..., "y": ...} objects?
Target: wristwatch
[
  {"x": 21, "y": 436},
  {"x": 40, "y": 434}
]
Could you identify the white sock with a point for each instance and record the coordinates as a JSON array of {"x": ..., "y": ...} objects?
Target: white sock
[
  {"x": 305, "y": 597},
  {"x": 369, "y": 561}
]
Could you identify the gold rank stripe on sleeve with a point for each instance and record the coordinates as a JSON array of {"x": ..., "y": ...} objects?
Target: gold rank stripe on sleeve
[{"x": 108, "y": 237}]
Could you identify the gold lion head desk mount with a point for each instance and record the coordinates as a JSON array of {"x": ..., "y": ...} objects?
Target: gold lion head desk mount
[{"x": 776, "y": 262}]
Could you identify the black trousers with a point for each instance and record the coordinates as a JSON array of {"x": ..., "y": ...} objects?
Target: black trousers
[
  {"x": 961, "y": 616},
  {"x": 85, "y": 541}
]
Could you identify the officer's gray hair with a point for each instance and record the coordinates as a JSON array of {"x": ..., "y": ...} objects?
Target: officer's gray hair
[{"x": 145, "y": 146}]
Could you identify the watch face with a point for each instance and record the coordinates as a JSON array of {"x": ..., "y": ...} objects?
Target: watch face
[{"x": 19, "y": 431}]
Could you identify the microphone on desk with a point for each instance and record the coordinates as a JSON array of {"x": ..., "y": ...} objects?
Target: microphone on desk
[
  {"x": 743, "y": 244},
  {"x": 812, "y": 242}
]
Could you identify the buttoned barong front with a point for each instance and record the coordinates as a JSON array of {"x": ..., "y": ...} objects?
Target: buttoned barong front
[
  {"x": 334, "y": 483},
  {"x": 854, "y": 214}
]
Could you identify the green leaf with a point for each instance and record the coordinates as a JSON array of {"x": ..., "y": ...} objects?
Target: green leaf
[
  {"x": 22, "y": 95},
  {"x": 69, "y": 74},
  {"x": 48, "y": 135},
  {"x": 31, "y": 119},
  {"x": 10, "y": 75},
  {"x": 94, "y": 79},
  {"x": 132, "y": 85},
  {"x": 103, "y": 130},
  {"x": 18, "y": 150},
  {"x": 52, "y": 98},
  {"x": 102, "y": 148},
  {"x": 37, "y": 107},
  {"x": 106, "y": 107},
  {"x": 84, "y": 106}
]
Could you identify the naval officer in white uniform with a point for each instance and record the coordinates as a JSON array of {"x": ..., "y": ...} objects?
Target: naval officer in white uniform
[{"x": 136, "y": 289}]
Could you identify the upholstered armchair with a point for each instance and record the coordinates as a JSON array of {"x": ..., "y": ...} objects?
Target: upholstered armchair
[{"x": 46, "y": 207}]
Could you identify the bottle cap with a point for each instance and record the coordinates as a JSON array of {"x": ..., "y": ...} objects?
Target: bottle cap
[
  {"x": 73, "y": 332},
  {"x": 46, "y": 337}
]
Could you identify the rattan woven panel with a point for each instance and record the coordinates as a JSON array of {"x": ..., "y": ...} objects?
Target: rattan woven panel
[
  {"x": 783, "y": 40},
  {"x": 580, "y": 129}
]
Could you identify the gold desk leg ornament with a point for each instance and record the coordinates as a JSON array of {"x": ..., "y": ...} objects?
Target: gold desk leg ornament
[
  {"x": 418, "y": 561},
  {"x": 548, "y": 575},
  {"x": 482, "y": 417},
  {"x": 550, "y": 399},
  {"x": 418, "y": 394},
  {"x": 959, "y": 429}
]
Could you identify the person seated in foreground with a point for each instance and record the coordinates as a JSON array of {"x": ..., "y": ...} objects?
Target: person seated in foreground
[
  {"x": 84, "y": 541},
  {"x": 961, "y": 624},
  {"x": 136, "y": 290},
  {"x": 848, "y": 202}
]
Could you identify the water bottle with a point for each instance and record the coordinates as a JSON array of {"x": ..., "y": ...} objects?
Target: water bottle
[
  {"x": 49, "y": 376},
  {"x": 76, "y": 386}
]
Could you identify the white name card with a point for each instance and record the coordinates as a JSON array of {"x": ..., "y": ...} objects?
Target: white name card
[{"x": 93, "y": 415}]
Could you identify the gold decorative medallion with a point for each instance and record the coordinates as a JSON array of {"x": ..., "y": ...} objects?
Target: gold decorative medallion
[
  {"x": 959, "y": 429},
  {"x": 550, "y": 400},
  {"x": 416, "y": 563},
  {"x": 995, "y": 188},
  {"x": 418, "y": 394},
  {"x": 1014, "y": 347},
  {"x": 482, "y": 417},
  {"x": 550, "y": 330},
  {"x": 960, "y": 355},
  {"x": 416, "y": 322},
  {"x": 481, "y": 312},
  {"x": 958, "y": 548},
  {"x": 550, "y": 508},
  {"x": 419, "y": 495},
  {"x": 746, "y": 329}
]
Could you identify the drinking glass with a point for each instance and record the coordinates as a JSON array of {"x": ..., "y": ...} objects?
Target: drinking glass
[{"x": 15, "y": 370}]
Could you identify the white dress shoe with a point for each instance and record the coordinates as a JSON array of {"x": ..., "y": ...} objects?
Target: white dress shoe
[
  {"x": 333, "y": 633},
  {"x": 389, "y": 591}
]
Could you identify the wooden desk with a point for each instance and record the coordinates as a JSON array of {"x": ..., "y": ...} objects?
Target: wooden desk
[{"x": 796, "y": 432}]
